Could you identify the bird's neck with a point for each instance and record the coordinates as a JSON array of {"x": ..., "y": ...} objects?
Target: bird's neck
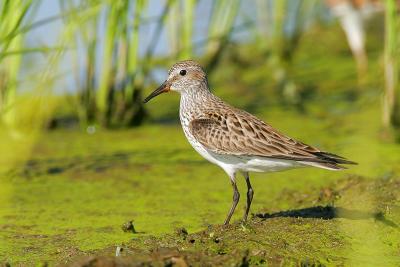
[
  {"x": 196, "y": 94},
  {"x": 194, "y": 99}
]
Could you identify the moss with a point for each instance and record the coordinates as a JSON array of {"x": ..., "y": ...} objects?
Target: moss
[
  {"x": 76, "y": 190},
  {"x": 346, "y": 234}
]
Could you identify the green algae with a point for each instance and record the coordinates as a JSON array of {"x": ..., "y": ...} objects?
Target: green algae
[
  {"x": 76, "y": 190},
  {"x": 342, "y": 235}
]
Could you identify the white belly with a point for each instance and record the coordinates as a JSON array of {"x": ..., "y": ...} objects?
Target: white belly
[
  {"x": 256, "y": 164},
  {"x": 199, "y": 147}
]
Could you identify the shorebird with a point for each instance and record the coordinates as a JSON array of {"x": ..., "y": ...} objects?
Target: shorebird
[{"x": 234, "y": 139}]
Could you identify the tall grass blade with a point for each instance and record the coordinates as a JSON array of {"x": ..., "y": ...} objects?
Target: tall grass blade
[{"x": 391, "y": 101}]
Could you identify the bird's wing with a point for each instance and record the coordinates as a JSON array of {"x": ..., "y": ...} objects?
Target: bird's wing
[{"x": 240, "y": 133}]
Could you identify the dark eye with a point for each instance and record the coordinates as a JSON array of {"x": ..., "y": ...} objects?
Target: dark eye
[{"x": 182, "y": 72}]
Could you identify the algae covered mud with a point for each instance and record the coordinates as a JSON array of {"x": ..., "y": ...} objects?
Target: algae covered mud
[
  {"x": 350, "y": 234},
  {"x": 66, "y": 204}
]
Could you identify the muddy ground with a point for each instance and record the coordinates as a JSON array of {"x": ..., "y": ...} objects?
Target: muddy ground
[{"x": 338, "y": 225}]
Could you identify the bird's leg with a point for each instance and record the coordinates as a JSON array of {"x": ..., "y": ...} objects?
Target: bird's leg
[
  {"x": 250, "y": 193},
  {"x": 235, "y": 200}
]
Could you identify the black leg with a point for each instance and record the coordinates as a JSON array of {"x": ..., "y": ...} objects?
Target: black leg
[
  {"x": 235, "y": 201},
  {"x": 250, "y": 194}
]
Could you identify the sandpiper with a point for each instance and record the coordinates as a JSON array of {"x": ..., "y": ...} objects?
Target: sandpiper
[{"x": 232, "y": 138}]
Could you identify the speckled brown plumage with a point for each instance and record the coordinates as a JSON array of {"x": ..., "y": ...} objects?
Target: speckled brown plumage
[
  {"x": 226, "y": 130},
  {"x": 232, "y": 138}
]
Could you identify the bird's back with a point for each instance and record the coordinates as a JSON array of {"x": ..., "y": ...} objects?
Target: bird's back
[{"x": 226, "y": 130}]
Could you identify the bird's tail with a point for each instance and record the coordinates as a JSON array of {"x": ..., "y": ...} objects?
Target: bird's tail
[{"x": 329, "y": 161}]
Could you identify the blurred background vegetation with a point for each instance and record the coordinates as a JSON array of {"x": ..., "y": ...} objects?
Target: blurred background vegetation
[
  {"x": 96, "y": 58},
  {"x": 77, "y": 141}
]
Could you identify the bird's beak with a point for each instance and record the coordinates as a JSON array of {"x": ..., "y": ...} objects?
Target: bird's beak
[{"x": 165, "y": 87}]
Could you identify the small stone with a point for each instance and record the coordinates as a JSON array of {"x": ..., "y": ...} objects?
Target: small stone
[
  {"x": 91, "y": 129},
  {"x": 128, "y": 227},
  {"x": 118, "y": 251},
  {"x": 182, "y": 232}
]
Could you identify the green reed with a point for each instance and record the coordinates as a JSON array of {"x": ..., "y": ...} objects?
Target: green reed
[
  {"x": 278, "y": 44},
  {"x": 220, "y": 27},
  {"x": 187, "y": 28},
  {"x": 20, "y": 109},
  {"x": 112, "y": 96},
  {"x": 107, "y": 96},
  {"x": 13, "y": 15},
  {"x": 180, "y": 27},
  {"x": 391, "y": 100}
]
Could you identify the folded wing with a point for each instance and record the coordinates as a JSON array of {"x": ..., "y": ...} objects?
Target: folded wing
[{"x": 240, "y": 133}]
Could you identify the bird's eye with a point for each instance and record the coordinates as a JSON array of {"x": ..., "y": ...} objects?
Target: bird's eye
[{"x": 182, "y": 72}]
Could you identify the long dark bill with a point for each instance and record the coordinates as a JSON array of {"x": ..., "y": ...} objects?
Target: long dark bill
[{"x": 162, "y": 89}]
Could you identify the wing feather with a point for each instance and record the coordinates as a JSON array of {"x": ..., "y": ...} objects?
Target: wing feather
[{"x": 240, "y": 133}]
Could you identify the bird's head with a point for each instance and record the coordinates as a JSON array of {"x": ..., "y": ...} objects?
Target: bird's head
[{"x": 183, "y": 77}]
